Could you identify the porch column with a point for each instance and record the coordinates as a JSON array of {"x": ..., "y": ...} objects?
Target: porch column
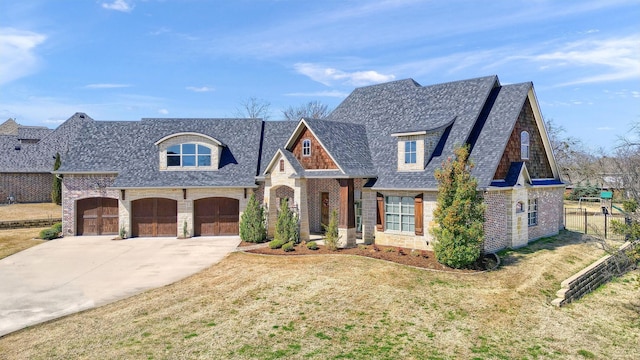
[
  {"x": 347, "y": 215},
  {"x": 301, "y": 200}
]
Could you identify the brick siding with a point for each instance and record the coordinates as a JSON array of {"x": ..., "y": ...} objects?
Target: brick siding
[
  {"x": 496, "y": 224},
  {"x": 26, "y": 187}
]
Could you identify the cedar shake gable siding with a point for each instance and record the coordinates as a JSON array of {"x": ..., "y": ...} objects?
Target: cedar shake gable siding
[
  {"x": 538, "y": 164},
  {"x": 319, "y": 159}
]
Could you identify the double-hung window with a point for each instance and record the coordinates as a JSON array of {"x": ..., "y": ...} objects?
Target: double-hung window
[
  {"x": 399, "y": 213},
  {"x": 188, "y": 155},
  {"x": 306, "y": 147},
  {"x": 532, "y": 214},
  {"x": 410, "y": 152}
]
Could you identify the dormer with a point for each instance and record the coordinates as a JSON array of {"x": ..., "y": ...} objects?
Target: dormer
[
  {"x": 189, "y": 152},
  {"x": 411, "y": 150}
]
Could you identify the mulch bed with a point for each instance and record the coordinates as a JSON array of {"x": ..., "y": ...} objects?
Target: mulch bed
[{"x": 418, "y": 258}]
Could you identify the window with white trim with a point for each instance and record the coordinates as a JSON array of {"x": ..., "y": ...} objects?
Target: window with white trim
[
  {"x": 532, "y": 214},
  {"x": 306, "y": 147},
  {"x": 410, "y": 152},
  {"x": 188, "y": 155},
  {"x": 524, "y": 145},
  {"x": 399, "y": 213}
]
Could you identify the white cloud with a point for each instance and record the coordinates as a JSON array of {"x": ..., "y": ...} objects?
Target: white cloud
[
  {"x": 200, "y": 88},
  {"x": 107, "y": 86},
  {"x": 163, "y": 111},
  {"x": 17, "y": 53},
  {"x": 329, "y": 76},
  {"x": 608, "y": 60},
  {"x": 332, "y": 93},
  {"x": 118, "y": 5}
]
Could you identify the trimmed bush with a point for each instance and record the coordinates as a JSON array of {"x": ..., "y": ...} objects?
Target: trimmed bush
[
  {"x": 57, "y": 227},
  {"x": 276, "y": 244},
  {"x": 288, "y": 246},
  {"x": 49, "y": 234},
  {"x": 252, "y": 228},
  {"x": 311, "y": 245}
]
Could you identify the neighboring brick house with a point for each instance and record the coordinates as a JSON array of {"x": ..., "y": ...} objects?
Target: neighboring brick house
[
  {"x": 372, "y": 159},
  {"x": 27, "y": 155}
]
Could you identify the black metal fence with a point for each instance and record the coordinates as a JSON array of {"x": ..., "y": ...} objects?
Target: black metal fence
[{"x": 592, "y": 222}]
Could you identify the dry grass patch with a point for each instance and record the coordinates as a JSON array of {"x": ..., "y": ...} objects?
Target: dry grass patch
[
  {"x": 16, "y": 240},
  {"x": 327, "y": 306},
  {"x": 30, "y": 211}
]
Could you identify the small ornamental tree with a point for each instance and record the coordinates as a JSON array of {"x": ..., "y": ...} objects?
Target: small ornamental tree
[
  {"x": 287, "y": 224},
  {"x": 331, "y": 232},
  {"x": 459, "y": 213},
  {"x": 56, "y": 190},
  {"x": 252, "y": 227}
]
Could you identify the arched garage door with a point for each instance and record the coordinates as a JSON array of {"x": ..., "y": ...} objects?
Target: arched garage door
[
  {"x": 97, "y": 216},
  {"x": 216, "y": 216},
  {"x": 154, "y": 217}
]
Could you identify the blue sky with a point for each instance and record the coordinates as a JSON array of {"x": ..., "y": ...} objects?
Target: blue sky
[{"x": 129, "y": 59}]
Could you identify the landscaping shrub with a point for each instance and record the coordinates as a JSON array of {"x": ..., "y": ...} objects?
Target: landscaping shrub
[
  {"x": 57, "y": 227},
  {"x": 252, "y": 228},
  {"x": 287, "y": 224},
  {"x": 331, "y": 232},
  {"x": 288, "y": 246},
  {"x": 49, "y": 234},
  {"x": 459, "y": 213},
  {"x": 276, "y": 244},
  {"x": 311, "y": 245}
]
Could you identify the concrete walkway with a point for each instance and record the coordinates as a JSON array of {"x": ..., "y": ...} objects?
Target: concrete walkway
[{"x": 67, "y": 275}]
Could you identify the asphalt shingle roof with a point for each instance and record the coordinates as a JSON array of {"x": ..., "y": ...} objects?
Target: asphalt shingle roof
[
  {"x": 275, "y": 136},
  {"x": 404, "y": 105},
  {"x": 129, "y": 149}
]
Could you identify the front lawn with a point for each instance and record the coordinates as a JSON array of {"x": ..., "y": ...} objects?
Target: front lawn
[{"x": 339, "y": 307}]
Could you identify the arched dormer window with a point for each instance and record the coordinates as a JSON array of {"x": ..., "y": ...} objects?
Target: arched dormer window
[
  {"x": 188, "y": 155},
  {"x": 306, "y": 147},
  {"x": 524, "y": 145},
  {"x": 189, "y": 151}
]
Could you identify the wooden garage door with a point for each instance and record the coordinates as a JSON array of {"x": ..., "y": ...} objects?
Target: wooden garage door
[
  {"x": 154, "y": 217},
  {"x": 216, "y": 216},
  {"x": 97, "y": 216}
]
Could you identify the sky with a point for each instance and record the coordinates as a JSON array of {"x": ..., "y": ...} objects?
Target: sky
[{"x": 133, "y": 59}]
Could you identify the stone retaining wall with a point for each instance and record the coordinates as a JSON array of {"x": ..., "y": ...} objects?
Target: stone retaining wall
[
  {"x": 589, "y": 278},
  {"x": 21, "y": 224}
]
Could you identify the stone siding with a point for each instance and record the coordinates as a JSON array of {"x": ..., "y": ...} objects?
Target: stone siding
[{"x": 26, "y": 187}]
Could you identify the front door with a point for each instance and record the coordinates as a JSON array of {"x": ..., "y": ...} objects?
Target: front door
[{"x": 324, "y": 209}]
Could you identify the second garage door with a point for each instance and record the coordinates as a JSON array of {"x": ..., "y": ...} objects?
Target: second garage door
[
  {"x": 216, "y": 216},
  {"x": 155, "y": 217}
]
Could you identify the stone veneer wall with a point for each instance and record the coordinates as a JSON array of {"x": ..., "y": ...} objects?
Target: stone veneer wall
[
  {"x": 75, "y": 187},
  {"x": 407, "y": 240},
  {"x": 26, "y": 187},
  {"x": 496, "y": 224},
  {"x": 590, "y": 278},
  {"x": 550, "y": 204}
]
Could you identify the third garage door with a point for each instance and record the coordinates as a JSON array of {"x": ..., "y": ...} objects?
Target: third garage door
[
  {"x": 155, "y": 217},
  {"x": 216, "y": 216}
]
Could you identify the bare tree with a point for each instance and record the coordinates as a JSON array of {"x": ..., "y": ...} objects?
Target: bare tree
[
  {"x": 627, "y": 163},
  {"x": 575, "y": 162},
  {"x": 254, "y": 108},
  {"x": 310, "y": 110}
]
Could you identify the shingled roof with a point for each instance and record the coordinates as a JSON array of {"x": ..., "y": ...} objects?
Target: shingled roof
[
  {"x": 128, "y": 149},
  {"x": 17, "y": 157},
  {"x": 405, "y": 105}
]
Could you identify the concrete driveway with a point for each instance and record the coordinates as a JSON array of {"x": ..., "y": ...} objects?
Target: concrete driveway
[{"x": 72, "y": 274}]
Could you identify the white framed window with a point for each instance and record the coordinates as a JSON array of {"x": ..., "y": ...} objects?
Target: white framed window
[
  {"x": 532, "y": 214},
  {"x": 524, "y": 145},
  {"x": 188, "y": 155},
  {"x": 410, "y": 152},
  {"x": 306, "y": 147},
  {"x": 399, "y": 213}
]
